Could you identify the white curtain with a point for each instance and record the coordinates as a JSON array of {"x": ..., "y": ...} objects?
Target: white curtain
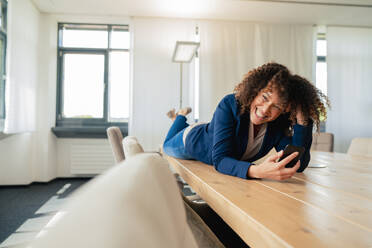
[
  {"x": 349, "y": 58},
  {"x": 156, "y": 79},
  {"x": 22, "y": 80},
  {"x": 228, "y": 50}
]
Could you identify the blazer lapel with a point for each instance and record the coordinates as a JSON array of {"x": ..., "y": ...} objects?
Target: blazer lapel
[{"x": 243, "y": 131}]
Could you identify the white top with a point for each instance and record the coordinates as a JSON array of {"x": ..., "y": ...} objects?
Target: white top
[
  {"x": 254, "y": 143},
  {"x": 188, "y": 129}
]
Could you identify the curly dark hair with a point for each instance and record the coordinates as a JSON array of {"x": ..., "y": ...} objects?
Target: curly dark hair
[
  {"x": 293, "y": 90},
  {"x": 308, "y": 98}
]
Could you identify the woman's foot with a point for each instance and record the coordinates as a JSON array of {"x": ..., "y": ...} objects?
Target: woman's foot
[
  {"x": 172, "y": 114},
  {"x": 184, "y": 111}
]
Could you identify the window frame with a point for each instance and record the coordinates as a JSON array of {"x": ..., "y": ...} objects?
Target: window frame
[
  {"x": 86, "y": 127},
  {"x": 321, "y": 36},
  {"x": 3, "y": 36}
]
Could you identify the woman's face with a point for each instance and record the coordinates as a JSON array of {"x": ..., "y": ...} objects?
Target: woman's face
[{"x": 266, "y": 106}]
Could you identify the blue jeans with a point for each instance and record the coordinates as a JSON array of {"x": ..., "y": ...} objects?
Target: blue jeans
[{"x": 173, "y": 144}]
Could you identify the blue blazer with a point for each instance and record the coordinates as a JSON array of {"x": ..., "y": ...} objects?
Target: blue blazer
[{"x": 223, "y": 141}]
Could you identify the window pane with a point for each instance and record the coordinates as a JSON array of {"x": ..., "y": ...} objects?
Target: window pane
[
  {"x": 321, "y": 76},
  {"x": 83, "y": 85},
  {"x": 85, "y": 38},
  {"x": 119, "y": 85},
  {"x": 321, "y": 48},
  {"x": 120, "y": 39}
]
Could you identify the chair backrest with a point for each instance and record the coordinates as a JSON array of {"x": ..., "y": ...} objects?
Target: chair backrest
[
  {"x": 131, "y": 146},
  {"x": 322, "y": 142},
  {"x": 115, "y": 137},
  {"x": 360, "y": 146},
  {"x": 203, "y": 235},
  {"x": 125, "y": 213}
]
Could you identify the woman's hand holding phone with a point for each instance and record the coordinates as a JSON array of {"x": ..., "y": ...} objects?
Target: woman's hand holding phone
[
  {"x": 272, "y": 168},
  {"x": 288, "y": 150}
]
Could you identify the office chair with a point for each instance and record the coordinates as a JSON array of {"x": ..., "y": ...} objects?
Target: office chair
[
  {"x": 322, "y": 142},
  {"x": 360, "y": 146},
  {"x": 116, "y": 138}
]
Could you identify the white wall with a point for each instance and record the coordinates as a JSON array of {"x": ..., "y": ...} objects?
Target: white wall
[
  {"x": 45, "y": 144},
  {"x": 60, "y": 153},
  {"x": 156, "y": 78},
  {"x": 19, "y": 153},
  {"x": 155, "y": 90},
  {"x": 155, "y": 82},
  {"x": 349, "y": 58},
  {"x": 28, "y": 157},
  {"x": 39, "y": 155}
]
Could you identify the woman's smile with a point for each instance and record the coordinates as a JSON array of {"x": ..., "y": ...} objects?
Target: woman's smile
[
  {"x": 260, "y": 114},
  {"x": 266, "y": 106}
]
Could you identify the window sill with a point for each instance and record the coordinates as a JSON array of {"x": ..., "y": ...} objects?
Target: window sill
[
  {"x": 84, "y": 132},
  {"x": 3, "y": 135}
]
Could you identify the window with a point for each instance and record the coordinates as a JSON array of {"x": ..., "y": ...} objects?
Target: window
[
  {"x": 3, "y": 40},
  {"x": 93, "y": 77},
  {"x": 321, "y": 68},
  {"x": 321, "y": 64}
]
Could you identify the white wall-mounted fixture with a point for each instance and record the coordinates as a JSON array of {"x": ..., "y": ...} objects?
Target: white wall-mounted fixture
[{"x": 184, "y": 52}]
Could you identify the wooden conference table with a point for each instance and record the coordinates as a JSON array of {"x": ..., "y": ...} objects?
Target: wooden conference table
[{"x": 322, "y": 207}]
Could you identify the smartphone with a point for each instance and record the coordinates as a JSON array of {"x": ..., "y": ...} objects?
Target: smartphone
[{"x": 288, "y": 150}]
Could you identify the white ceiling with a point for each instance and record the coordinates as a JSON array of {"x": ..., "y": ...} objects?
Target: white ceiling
[{"x": 355, "y": 13}]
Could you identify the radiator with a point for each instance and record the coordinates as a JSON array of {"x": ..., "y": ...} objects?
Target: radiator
[{"x": 90, "y": 158}]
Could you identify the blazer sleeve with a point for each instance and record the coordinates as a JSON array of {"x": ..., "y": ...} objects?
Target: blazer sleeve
[
  {"x": 223, "y": 141},
  {"x": 302, "y": 136}
]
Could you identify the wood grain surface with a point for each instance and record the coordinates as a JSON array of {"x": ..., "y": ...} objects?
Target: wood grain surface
[{"x": 322, "y": 207}]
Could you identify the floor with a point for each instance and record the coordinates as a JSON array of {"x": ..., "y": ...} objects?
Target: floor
[{"x": 26, "y": 210}]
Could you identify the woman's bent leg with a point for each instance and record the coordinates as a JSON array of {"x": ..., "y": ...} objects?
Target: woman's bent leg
[
  {"x": 178, "y": 125},
  {"x": 173, "y": 144}
]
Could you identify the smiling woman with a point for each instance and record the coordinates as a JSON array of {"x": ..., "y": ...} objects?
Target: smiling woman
[{"x": 270, "y": 109}]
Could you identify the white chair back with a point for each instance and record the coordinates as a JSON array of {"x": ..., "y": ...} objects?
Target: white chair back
[
  {"x": 131, "y": 146},
  {"x": 115, "y": 137},
  {"x": 322, "y": 142},
  {"x": 117, "y": 209},
  {"x": 360, "y": 146}
]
